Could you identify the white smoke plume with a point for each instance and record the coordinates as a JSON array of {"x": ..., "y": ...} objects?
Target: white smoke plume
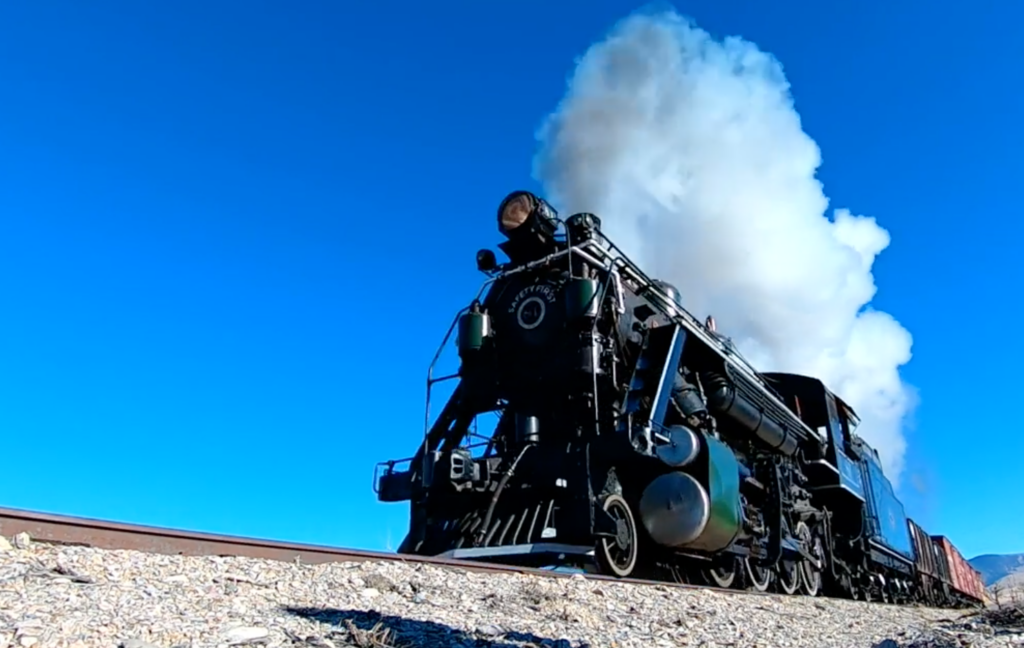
[{"x": 691, "y": 152}]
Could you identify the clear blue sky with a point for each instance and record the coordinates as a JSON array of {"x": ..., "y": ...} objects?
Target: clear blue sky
[{"x": 233, "y": 234}]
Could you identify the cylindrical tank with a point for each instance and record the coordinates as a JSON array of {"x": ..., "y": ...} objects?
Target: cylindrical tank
[
  {"x": 681, "y": 512},
  {"x": 724, "y": 397},
  {"x": 588, "y": 355},
  {"x": 675, "y": 509},
  {"x": 581, "y": 298},
  {"x": 527, "y": 428},
  {"x": 474, "y": 328},
  {"x": 682, "y": 449},
  {"x": 686, "y": 396}
]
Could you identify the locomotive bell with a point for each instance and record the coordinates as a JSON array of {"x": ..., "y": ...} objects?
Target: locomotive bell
[{"x": 583, "y": 226}]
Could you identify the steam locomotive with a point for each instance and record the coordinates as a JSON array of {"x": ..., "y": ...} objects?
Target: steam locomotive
[{"x": 635, "y": 440}]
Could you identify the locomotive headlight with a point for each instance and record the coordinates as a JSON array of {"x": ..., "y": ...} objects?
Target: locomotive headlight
[
  {"x": 515, "y": 210},
  {"x": 521, "y": 213},
  {"x": 529, "y": 224}
]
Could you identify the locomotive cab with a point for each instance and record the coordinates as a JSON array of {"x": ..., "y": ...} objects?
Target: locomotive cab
[{"x": 831, "y": 466}]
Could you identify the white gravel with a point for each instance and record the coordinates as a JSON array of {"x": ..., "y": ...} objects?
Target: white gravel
[{"x": 76, "y": 596}]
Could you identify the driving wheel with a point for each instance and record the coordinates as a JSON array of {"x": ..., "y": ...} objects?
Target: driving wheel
[
  {"x": 787, "y": 575},
  {"x": 618, "y": 555},
  {"x": 758, "y": 576},
  {"x": 810, "y": 576},
  {"x": 721, "y": 575}
]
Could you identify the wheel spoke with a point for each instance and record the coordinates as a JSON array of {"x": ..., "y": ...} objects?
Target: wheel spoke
[
  {"x": 759, "y": 577},
  {"x": 788, "y": 575},
  {"x": 721, "y": 575},
  {"x": 618, "y": 555}
]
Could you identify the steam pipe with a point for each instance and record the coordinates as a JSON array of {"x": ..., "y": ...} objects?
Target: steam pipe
[{"x": 497, "y": 494}]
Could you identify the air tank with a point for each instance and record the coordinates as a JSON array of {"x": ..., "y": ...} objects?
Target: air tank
[
  {"x": 581, "y": 298},
  {"x": 474, "y": 329}
]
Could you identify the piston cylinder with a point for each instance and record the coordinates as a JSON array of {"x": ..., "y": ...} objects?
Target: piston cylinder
[{"x": 680, "y": 511}]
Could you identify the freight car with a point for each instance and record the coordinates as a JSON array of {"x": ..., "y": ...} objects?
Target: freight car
[
  {"x": 933, "y": 583},
  {"x": 965, "y": 583},
  {"x": 635, "y": 439}
]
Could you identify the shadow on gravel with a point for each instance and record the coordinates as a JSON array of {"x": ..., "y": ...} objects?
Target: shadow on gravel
[
  {"x": 1007, "y": 617},
  {"x": 1005, "y": 623},
  {"x": 369, "y": 629}
]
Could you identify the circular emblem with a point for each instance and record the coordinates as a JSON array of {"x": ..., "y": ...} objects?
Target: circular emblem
[{"x": 531, "y": 312}]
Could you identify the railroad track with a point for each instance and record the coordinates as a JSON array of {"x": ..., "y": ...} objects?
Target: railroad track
[{"x": 103, "y": 534}]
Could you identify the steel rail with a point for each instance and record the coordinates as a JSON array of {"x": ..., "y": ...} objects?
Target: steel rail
[{"x": 55, "y": 529}]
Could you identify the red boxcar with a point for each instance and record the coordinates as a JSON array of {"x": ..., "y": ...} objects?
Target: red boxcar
[
  {"x": 965, "y": 579},
  {"x": 979, "y": 584}
]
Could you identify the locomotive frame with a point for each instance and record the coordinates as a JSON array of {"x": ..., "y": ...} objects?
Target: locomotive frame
[{"x": 636, "y": 440}]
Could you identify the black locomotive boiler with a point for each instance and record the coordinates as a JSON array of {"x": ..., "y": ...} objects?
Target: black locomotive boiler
[{"x": 634, "y": 439}]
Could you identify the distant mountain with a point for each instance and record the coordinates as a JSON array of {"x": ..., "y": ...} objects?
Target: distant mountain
[
  {"x": 994, "y": 567},
  {"x": 1011, "y": 581}
]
